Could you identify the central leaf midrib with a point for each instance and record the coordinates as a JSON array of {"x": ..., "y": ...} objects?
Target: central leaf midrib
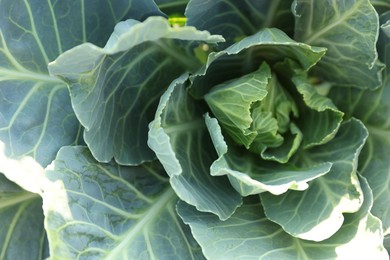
[
  {"x": 244, "y": 18},
  {"x": 177, "y": 56},
  {"x": 194, "y": 125},
  {"x": 22, "y": 197},
  {"x": 296, "y": 243},
  {"x": 379, "y": 132},
  {"x": 27, "y": 75},
  {"x": 270, "y": 15},
  {"x": 337, "y": 22},
  {"x": 11, "y": 228},
  {"x": 147, "y": 217}
]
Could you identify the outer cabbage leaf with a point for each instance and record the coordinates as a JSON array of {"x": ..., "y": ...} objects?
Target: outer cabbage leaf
[
  {"x": 249, "y": 234},
  {"x": 115, "y": 89},
  {"x": 349, "y": 30},
  {"x": 375, "y": 167},
  {"x": 36, "y": 117},
  {"x": 317, "y": 213},
  {"x": 179, "y": 137},
  {"x": 250, "y": 175},
  {"x": 237, "y": 19},
  {"x": 373, "y": 108},
  {"x": 22, "y": 235},
  {"x": 109, "y": 211}
]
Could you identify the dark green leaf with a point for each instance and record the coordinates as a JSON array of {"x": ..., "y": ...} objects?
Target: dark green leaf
[
  {"x": 235, "y": 20},
  {"x": 36, "y": 116},
  {"x": 115, "y": 89},
  {"x": 373, "y": 108},
  {"x": 179, "y": 137},
  {"x": 317, "y": 212},
  {"x": 22, "y": 234},
  {"x": 96, "y": 211},
  {"x": 349, "y": 30},
  {"x": 248, "y": 234}
]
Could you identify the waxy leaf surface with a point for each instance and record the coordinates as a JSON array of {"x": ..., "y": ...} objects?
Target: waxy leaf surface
[
  {"x": 22, "y": 234},
  {"x": 349, "y": 30},
  {"x": 115, "y": 90},
  {"x": 36, "y": 116},
  {"x": 237, "y": 19},
  {"x": 108, "y": 211},
  {"x": 249, "y": 234},
  {"x": 179, "y": 137},
  {"x": 373, "y": 107},
  {"x": 317, "y": 212}
]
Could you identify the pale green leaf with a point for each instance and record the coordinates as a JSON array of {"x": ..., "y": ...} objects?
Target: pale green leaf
[
  {"x": 265, "y": 135},
  {"x": 282, "y": 154},
  {"x": 254, "y": 110},
  {"x": 250, "y": 175},
  {"x": 320, "y": 119},
  {"x": 22, "y": 234},
  {"x": 179, "y": 137},
  {"x": 245, "y": 56},
  {"x": 232, "y": 102},
  {"x": 317, "y": 212},
  {"x": 349, "y": 30},
  {"x": 284, "y": 110},
  {"x": 96, "y": 211},
  {"x": 115, "y": 89},
  {"x": 248, "y": 234},
  {"x": 317, "y": 118}
]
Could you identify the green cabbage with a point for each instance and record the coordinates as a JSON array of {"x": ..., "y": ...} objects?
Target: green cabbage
[{"x": 191, "y": 129}]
